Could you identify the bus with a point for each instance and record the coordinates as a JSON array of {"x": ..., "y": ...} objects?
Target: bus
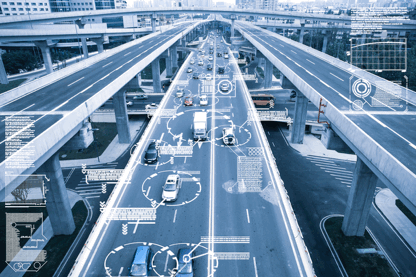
[{"x": 263, "y": 100}]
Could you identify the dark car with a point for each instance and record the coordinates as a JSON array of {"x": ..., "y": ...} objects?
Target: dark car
[
  {"x": 195, "y": 75},
  {"x": 221, "y": 70},
  {"x": 141, "y": 264},
  {"x": 152, "y": 153},
  {"x": 209, "y": 66},
  {"x": 211, "y": 52},
  {"x": 188, "y": 101},
  {"x": 219, "y": 54},
  {"x": 185, "y": 262}
]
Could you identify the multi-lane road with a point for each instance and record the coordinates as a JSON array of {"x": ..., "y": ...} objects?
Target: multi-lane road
[{"x": 228, "y": 209}]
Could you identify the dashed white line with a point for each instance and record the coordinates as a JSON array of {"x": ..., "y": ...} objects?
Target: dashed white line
[
  {"x": 293, "y": 51},
  {"x": 310, "y": 61},
  {"x": 248, "y": 216},
  {"x": 273, "y": 144},
  {"x": 336, "y": 76},
  {"x": 147, "y": 192},
  {"x": 255, "y": 266},
  {"x": 174, "y": 216},
  {"x": 107, "y": 64},
  {"x": 76, "y": 81},
  {"x": 127, "y": 54}
]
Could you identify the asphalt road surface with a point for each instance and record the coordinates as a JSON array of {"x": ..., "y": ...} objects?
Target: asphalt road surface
[
  {"x": 213, "y": 213},
  {"x": 318, "y": 187}
]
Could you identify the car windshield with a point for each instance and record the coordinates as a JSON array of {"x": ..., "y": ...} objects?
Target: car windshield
[
  {"x": 138, "y": 269},
  {"x": 185, "y": 268},
  {"x": 170, "y": 186}
]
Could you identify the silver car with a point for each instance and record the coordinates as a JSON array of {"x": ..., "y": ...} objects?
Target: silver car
[
  {"x": 228, "y": 136},
  {"x": 179, "y": 93},
  {"x": 171, "y": 188},
  {"x": 224, "y": 87}
]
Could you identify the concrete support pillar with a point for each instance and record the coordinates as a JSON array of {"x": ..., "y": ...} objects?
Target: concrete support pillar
[
  {"x": 100, "y": 44},
  {"x": 204, "y": 29},
  {"x": 84, "y": 48},
  {"x": 325, "y": 43},
  {"x": 268, "y": 74},
  {"x": 284, "y": 31},
  {"x": 46, "y": 55},
  {"x": 154, "y": 16},
  {"x": 302, "y": 32},
  {"x": 139, "y": 79},
  {"x": 168, "y": 61},
  {"x": 57, "y": 201},
  {"x": 122, "y": 119},
  {"x": 156, "y": 75},
  {"x": 174, "y": 53},
  {"x": 299, "y": 120},
  {"x": 3, "y": 74},
  {"x": 359, "y": 200},
  {"x": 232, "y": 25}
]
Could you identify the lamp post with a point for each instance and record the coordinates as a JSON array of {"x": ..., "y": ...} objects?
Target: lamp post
[{"x": 96, "y": 150}]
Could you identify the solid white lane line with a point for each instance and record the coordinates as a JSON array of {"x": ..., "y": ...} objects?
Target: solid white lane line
[
  {"x": 174, "y": 216},
  {"x": 336, "y": 76},
  {"x": 135, "y": 227},
  {"x": 248, "y": 216},
  {"x": 167, "y": 259},
  {"x": 76, "y": 81},
  {"x": 107, "y": 64},
  {"x": 310, "y": 61},
  {"x": 121, "y": 270},
  {"x": 255, "y": 267}
]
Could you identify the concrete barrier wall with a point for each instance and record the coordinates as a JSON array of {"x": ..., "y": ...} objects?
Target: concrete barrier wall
[
  {"x": 57, "y": 134},
  {"x": 399, "y": 91},
  {"x": 391, "y": 171},
  {"x": 60, "y": 74}
]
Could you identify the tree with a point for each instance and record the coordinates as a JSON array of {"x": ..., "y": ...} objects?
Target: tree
[{"x": 14, "y": 61}]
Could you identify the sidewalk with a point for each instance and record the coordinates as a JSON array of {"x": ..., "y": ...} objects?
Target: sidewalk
[
  {"x": 40, "y": 239},
  {"x": 385, "y": 201},
  {"x": 113, "y": 151},
  {"x": 312, "y": 146}
]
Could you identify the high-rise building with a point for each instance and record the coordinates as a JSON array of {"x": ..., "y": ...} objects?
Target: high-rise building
[
  {"x": 24, "y": 7},
  {"x": 82, "y": 5}
]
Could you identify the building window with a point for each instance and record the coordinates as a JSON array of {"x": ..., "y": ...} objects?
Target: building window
[
  {"x": 33, "y": 4},
  {"x": 6, "y": 9},
  {"x": 83, "y": 9},
  {"x": 27, "y": 4},
  {"x": 90, "y": 4},
  {"x": 78, "y": 4},
  {"x": 20, "y": 9},
  {"x": 19, "y": 3},
  {"x": 4, "y": 3},
  {"x": 40, "y": 4},
  {"x": 41, "y": 9},
  {"x": 47, "y": 9},
  {"x": 28, "y": 9},
  {"x": 7, "y": 14},
  {"x": 82, "y": 4},
  {"x": 13, "y": 9},
  {"x": 11, "y": 3},
  {"x": 46, "y": 4},
  {"x": 35, "y": 9}
]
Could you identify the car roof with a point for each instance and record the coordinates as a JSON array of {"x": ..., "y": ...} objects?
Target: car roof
[
  {"x": 182, "y": 252},
  {"x": 141, "y": 254}
]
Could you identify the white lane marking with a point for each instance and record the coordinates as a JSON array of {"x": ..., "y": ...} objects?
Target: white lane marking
[
  {"x": 127, "y": 54},
  {"x": 174, "y": 216},
  {"x": 348, "y": 183},
  {"x": 293, "y": 51},
  {"x": 135, "y": 227},
  {"x": 248, "y": 216},
  {"x": 119, "y": 67},
  {"x": 273, "y": 144},
  {"x": 167, "y": 259},
  {"x": 310, "y": 61},
  {"x": 161, "y": 137},
  {"x": 76, "y": 81},
  {"x": 255, "y": 266},
  {"x": 17, "y": 113},
  {"x": 342, "y": 176},
  {"x": 281, "y": 45},
  {"x": 147, "y": 192},
  {"x": 336, "y": 76},
  {"x": 107, "y": 64},
  {"x": 121, "y": 270}
]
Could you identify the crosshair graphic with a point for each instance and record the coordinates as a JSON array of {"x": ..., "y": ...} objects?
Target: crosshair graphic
[{"x": 361, "y": 88}]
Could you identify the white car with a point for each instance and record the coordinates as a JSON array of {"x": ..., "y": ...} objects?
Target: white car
[
  {"x": 210, "y": 58},
  {"x": 228, "y": 136},
  {"x": 224, "y": 87},
  {"x": 208, "y": 77},
  {"x": 203, "y": 100},
  {"x": 179, "y": 93},
  {"x": 171, "y": 188},
  {"x": 152, "y": 106},
  {"x": 226, "y": 56},
  {"x": 129, "y": 103},
  {"x": 201, "y": 62},
  {"x": 189, "y": 70},
  {"x": 192, "y": 61}
]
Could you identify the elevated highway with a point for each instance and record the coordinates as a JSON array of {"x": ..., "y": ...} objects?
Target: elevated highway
[
  {"x": 381, "y": 133},
  {"x": 61, "y": 101}
]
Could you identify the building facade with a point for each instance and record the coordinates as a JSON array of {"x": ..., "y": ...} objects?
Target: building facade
[{"x": 25, "y": 7}]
